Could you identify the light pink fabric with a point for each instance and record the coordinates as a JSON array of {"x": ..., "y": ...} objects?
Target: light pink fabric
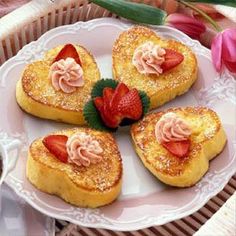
[
  {"x": 83, "y": 150},
  {"x": 171, "y": 128},
  {"x": 7, "y": 6}
]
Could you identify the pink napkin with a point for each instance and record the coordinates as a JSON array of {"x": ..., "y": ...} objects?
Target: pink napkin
[{"x": 7, "y": 6}]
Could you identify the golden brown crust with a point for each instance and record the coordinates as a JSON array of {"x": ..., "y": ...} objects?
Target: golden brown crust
[
  {"x": 164, "y": 87},
  {"x": 204, "y": 123},
  {"x": 37, "y": 86},
  {"x": 99, "y": 177}
]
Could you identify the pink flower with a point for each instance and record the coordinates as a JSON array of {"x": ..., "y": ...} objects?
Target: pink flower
[
  {"x": 223, "y": 50},
  {"x": 189, "y": 25}
]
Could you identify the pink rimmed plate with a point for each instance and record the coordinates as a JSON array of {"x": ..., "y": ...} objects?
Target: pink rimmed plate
[{"x": 144, "y": 200}]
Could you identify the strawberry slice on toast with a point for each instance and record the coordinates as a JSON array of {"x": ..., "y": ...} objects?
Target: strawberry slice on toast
[
  {"x": 68, "y": 51},
  {"x": 56, "y": 145}
]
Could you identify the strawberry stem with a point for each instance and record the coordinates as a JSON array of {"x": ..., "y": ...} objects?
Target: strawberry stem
[{"x": 202, "y": 13}]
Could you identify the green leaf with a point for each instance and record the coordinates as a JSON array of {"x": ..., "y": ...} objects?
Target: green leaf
[
  {"x": 231, "y": 3},
  {"x": 138, "y": 12},
  {"x": 145, "y": 101},
  {"x": 92, "y": 117},
  {"x": 101, "y": 84}
]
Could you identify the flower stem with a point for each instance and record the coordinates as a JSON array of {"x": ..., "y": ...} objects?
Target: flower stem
[{"x": 208, "y": 18}]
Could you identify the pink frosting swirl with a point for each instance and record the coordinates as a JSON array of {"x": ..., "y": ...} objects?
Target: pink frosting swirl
[
  {"x": 148, "y": 58},
  {"x": 83, "y": 150},
  {"x": 66, "y": 75},
  {"x": 171, "y": 128}
]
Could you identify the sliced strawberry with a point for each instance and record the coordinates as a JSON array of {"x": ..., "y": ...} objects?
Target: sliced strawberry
[
  {"x": 120, "y": 91},
  {"x": 98, "y": 101},
  {"x": 68, "y": 51},
  {"x": 107, "y": 95},
  {"x": 130, "y": 105},
  {"x": 172, "y": 59},
  {"x": 99, "y": 104},
  {"x": 56, "y": 145},
  {"x": 118, "y": 104},
  {"x": 103, "y": 106},
  {"x": 179, "y": 149},
  {"x": 110, "y": 119}
]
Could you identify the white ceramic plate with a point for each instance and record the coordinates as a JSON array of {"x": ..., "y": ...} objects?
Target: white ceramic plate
[{"x": 144, "y": 200}]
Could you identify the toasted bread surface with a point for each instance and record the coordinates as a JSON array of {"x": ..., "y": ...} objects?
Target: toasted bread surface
[
  {"x": 35, "y": 94},
  {"x": 164, "y": 87},
  {"x": 93, "y": 186},
  {"x": 207, "y": 140}
]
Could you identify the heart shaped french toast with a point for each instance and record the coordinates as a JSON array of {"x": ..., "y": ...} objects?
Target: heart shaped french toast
[
  {"x": 176, "y": 145},
  {"x": 58, "y": 86},
  {"x": 162, "y": 68},
  {"x": 80, "y": 165}
]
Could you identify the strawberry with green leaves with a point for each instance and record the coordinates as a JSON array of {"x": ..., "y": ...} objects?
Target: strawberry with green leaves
[{"x": 114, "y": 103}]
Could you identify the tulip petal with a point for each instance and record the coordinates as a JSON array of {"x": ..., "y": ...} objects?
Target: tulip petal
[
  {"x": 192, "y": 31},
  {"x": 229, "y": 45},
  {"x": 216, "y": 51},
  {"x": 183, "y": 19},
  {"x": 231, "y": 66},
  {"x": 186, "y": 24}
]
